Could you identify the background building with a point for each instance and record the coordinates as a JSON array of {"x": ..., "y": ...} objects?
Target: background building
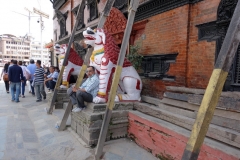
[
  {"x": 12, "y": 47},
  {"x": 39, "y": 52}
]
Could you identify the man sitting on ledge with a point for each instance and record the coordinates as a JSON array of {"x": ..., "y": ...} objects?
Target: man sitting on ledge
[
  {"x": 51, "y": 79},
  {"x": 86, "y": 92}
]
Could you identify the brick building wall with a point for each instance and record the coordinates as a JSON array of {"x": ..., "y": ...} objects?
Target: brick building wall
[
  {"x": 172, "y": 31},
  {"x": 176, "y": 31},
  {"x": 201, "y": 54},
  {"x": 167, "y": 33}
]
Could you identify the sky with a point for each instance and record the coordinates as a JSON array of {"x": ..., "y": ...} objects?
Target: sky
[{"x": 14, "y": 18}]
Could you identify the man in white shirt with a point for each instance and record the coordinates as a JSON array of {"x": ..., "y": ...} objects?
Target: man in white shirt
[{"x": 86, "y": 92}]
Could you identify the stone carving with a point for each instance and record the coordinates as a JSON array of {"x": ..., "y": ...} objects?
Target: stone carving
[
  {"x": 73, "y": 66},
  {"x": 104, "y": 59},
  {"x": 115, "y": 24}
]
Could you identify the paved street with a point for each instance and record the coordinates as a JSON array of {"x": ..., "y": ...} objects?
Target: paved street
[{"x": 28, "y": 133}]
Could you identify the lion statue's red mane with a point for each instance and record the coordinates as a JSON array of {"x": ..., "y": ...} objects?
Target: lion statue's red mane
[{"x": 111, "y": 50}]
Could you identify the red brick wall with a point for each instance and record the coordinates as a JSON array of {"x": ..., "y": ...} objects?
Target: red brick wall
[
  {"x": 176, "y": 31},
  {"x": 160, "y": 140},
  {"x": 201, "y": 55},
  {"x": 167, "y": 33}
]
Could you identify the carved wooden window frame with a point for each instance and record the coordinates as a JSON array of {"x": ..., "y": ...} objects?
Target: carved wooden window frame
[
  {"x": 216, "y": 31},
  {"x": 92, "y": 6},
  {"x": 62, "y": 23},
  {"x": 157, "y": 66},
  {"x": 81, "y": 22}
]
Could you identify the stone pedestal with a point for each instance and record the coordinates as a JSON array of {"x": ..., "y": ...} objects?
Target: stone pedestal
[
  {"x": 62, "y": 97},
  {"x": 87, "y": 123}
]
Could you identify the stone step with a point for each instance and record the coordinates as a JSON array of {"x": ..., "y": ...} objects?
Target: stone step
[
  {"x": 93, "y": 120},
  {"x": 87, "y": 123},
  {"x": 165, "y": 138},
  {"x": 102, "y": 107},
  {"x": 227, "y": 101},
  {"x": 150, "y": 100},
  {"x": 193, "y": 107},
  {"x": 221, "y": 134},
  {"x": 65, "y": 105},
  {"x": 218, "y": 119}
]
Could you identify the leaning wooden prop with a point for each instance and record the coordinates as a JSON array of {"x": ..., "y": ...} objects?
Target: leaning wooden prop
[
  {"x": 73, "y": 66},
  {"x": 104, "y": 58}
]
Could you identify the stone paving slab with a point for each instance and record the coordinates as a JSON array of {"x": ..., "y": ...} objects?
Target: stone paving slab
[{"x": 28, "y": 133}]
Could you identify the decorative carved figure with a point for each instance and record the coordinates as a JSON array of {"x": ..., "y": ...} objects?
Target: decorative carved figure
[
  {"x": 73, "y": 66},
  {"x": 104, "y": 59}
]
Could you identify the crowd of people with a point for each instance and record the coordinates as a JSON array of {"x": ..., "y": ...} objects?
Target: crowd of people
[{"x": 15, "y": 75}]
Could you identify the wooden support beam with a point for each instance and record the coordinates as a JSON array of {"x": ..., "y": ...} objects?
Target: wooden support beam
[
  {"x": 101, "y": 22},
  {"x": 214, "y": 88},
  {"x": 78, "y": 19},
  {"x": 132, "y": 11}
]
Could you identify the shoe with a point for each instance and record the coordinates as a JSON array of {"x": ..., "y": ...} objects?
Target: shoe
[
  {"x": 30, "y": 92},
  {"x": 39, "y": 100},
  {"x": 49, "y": 92},
  {"x": 44, "y": 97},
  {"x": 7, "y": 91},
  {"x": 74, "y": 109},
  {"x": 23, "y": 96},
  {"x": 13, "y": 100},
  {"x": 78, "y": 110},
  {"x": 17, "y": 101}
]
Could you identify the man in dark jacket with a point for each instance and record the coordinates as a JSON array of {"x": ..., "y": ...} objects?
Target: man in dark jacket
[{"x": 15, "y": 75}]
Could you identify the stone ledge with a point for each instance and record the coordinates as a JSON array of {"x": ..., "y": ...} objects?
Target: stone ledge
[
  {"x": 87, "y": 123},
  {"x": 165, "y": 139},
  {"x": 228, "y": 136}
]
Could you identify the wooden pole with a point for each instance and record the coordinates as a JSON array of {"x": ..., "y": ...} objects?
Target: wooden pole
[
  {"x": 101, "y": 22},
  {"x": 214, "y": 88},
  {"x": 78, "y": 18},
  {"x": 108, "y": 113}
]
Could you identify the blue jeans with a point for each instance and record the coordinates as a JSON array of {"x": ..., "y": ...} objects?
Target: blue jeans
[
  {"x": 15, "y": 86},
  {"x": 51, "y": 85},
  {"x": 23, "y": 86},
  {"x": 32, "y": 88}
]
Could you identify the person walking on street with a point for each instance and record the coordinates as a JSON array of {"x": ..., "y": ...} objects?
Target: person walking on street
[
  {"x": 25, "y": 73},
  {"x": 51, "y": 79},
  {"x": 5, "y": 74},
  {"x": 86, "y": 92},
  {"x": 39, "y": 82},
  {"x": 32, "y": 67},
  {"x": 15, "y": 75}
]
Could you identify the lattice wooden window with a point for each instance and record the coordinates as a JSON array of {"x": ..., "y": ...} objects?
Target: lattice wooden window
[
  {"x": 157, "y": 66},
  {"x": 81, "y": 21},
  {"x": 93, "y": 9}
]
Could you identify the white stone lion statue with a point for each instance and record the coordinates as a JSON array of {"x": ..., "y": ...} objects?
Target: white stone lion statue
[
  {"x": 104, "y": 59},
  {"x": 73, "y": 66}
]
